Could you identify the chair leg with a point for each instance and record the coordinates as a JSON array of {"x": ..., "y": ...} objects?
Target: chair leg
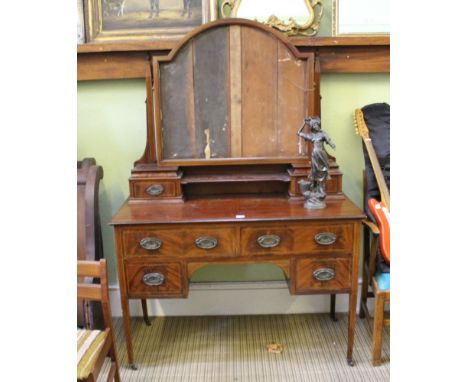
[
  {"x": 115, "y": 363},
  {"x": 378, "y": 327},
  {"x": 145, "y": 312},
  {"x": 364, "y": 293},
  {"x": 111, "y": 376}
]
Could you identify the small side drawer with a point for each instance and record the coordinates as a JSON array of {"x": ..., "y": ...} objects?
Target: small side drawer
[
  {"x": 153, "y": 189},
  {"x": 323, "y": 238},
  {"x": 265, "y": 241},
  {"x": 155, "y": 280},
  {"x": 319, "y": 275},
  {"x": 163, "y": 242},
  {"x": 210, "y": 241}
]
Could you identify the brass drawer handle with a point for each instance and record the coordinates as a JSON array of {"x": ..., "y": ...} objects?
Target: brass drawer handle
[
  {"x": 150, "y": 243},
  {"x": 324, "y": 274},
  {"x": 206, "y": 242},
  {"x": 153, "y": 279},
  {"x": 325, "y": 238},
  {"x": 155, "y": 190},
  {"x": 268, "y": 241}
]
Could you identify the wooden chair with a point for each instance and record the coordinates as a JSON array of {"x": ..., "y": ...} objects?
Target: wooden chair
[
  {"x": 379, "y": 284},
  {"x": 375, "y": 272},
  {"x": 93, "y": 346}
]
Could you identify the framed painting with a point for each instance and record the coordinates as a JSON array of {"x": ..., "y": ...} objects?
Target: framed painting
[
  {"x": 143, "y": 20},
  {"x": 361, "y": 17}
]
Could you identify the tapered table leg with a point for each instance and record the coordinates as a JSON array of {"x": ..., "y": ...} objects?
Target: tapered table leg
[
  {"x": 127, "y": 330},
  {"x": 351, "y": 326},
  {"x": 353, "y": 292}
]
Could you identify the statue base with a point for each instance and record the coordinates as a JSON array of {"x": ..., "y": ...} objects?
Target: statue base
[
  {"x": 313, "y": 199},
  {"x": 312, "y": 204}
]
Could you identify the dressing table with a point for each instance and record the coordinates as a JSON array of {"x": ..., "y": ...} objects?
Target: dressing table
[{"x": 218, "y": 179}]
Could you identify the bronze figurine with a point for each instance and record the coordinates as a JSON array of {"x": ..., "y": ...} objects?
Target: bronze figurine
[{"x": 313, "y": 188}]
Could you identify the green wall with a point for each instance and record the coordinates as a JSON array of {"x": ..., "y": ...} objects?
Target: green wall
[{"x": 112, "y": 129}]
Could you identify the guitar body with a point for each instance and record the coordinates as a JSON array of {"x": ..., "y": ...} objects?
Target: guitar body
[{"x": 382, "y": 217}]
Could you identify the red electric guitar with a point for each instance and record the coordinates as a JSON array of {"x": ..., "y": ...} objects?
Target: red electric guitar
[{"x": 380, "y": 210}]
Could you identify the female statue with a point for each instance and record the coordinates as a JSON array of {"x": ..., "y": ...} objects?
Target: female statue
[{"x": 314, "y": 188}]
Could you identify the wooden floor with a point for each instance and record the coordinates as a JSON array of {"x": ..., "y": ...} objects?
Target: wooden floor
[{"x": 234, "y": 348}]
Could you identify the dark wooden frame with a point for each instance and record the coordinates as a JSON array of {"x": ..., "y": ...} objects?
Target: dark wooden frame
[
  {"x": 89, "y": 238},
  {"x": 154, "y": 154}
]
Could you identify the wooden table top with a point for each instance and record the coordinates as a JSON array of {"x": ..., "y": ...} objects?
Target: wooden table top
[{"x": 229, "y": 209}]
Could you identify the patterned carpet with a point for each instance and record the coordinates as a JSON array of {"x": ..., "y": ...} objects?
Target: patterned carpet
[{"x": 234, "y": 348}]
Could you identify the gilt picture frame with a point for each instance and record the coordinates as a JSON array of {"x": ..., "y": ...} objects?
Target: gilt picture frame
[
  {"x": 276, "y": 14},
  {"x": 144, "y": 20}
]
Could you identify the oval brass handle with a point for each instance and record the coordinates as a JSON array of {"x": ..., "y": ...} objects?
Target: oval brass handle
[
  {"x": 324, "y": 274},
  {"x": 155, "y": 189},
  {"x": 206, "y": 242},
  {"x": 150, "y": 243},
  {"x": 153, "y": 279},
  {"x": 268, "y": 241},
  {"x": 325, "y": 238}
]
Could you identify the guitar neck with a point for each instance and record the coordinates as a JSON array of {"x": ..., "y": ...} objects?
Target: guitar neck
[{"x": 384, "y": 193}]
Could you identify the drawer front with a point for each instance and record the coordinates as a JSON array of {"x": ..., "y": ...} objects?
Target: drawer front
[
  {"x": 158, "y": 280},
  {"x": 323, "y": 238},
  {"x": 153, "y": 189},
  {"x": 163, "y": 242},
  {"x": 320, "y": 275},
  {"x": 266, "y": 241},
  {"x": 209, "y": 241}
]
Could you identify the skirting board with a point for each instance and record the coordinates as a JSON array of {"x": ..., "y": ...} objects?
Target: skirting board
[{"x": 229, "y": 298}]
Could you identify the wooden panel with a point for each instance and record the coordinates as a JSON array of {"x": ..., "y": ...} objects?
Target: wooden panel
[
  {"x": 174, "y": 283},
  {"x": 307, "y": 283},
  {"x": 107, "y": 66},
  {"x": 355, "y": 59},
  {"x": 259, "y": 87},
  {"x": 177, "y": 106},
  {"x": 235, "y": 73},
  {"x": 291, "y": 101},
  {"x": 250, "y": 246},
  {"x": 210, "y": 75}
]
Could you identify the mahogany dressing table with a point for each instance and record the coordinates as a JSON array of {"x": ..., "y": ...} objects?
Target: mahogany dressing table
[{"x": 218, "y": 180}]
